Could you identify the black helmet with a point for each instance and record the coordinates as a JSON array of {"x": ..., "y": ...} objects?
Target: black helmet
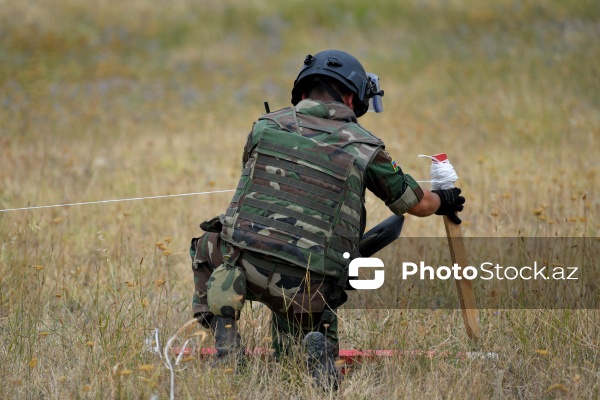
[{"x": 342, "y": 67}]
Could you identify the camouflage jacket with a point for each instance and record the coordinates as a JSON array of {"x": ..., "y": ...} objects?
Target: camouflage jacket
[{"x": 301, "y": 194}]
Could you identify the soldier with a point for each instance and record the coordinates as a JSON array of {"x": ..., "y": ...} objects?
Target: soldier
[{"x": 298, "y": 212}]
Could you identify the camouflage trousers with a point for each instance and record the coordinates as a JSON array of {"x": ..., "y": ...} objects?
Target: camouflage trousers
[{"x": 296, "y": 298}]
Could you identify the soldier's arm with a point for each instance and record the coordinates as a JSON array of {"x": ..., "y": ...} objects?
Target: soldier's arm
[
  {"x": 428, "y": 205},
  {"x": 400, "y": 192}
]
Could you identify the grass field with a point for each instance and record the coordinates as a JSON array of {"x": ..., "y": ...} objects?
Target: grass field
[{"x": 115, "y": 100}]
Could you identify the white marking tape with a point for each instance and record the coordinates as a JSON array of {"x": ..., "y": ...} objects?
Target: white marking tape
[{"x": 115, "y": 200}]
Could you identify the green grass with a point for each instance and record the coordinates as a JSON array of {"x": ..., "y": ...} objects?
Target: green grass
[{"x": 116, "y": 100}]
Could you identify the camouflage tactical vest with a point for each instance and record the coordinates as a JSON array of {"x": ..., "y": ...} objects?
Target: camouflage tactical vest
[{"x": 301, "y": 196}]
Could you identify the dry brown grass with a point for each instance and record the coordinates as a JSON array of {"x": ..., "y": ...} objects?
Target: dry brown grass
[{"x": 119, "y": 100}]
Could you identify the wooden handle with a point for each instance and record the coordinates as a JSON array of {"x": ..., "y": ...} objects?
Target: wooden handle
[{"x": 466, "y": 294}]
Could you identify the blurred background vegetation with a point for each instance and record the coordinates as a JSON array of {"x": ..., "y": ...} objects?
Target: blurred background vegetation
[{"x": 205, "y": 55}]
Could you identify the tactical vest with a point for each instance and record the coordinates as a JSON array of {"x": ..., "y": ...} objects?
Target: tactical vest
[{"x": 301, "y": 199}]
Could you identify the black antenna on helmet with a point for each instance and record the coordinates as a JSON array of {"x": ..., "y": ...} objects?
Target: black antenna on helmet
[{"x": 267, "y": 109}]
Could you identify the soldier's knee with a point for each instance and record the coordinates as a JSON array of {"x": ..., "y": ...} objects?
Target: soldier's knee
[{"x": 226, "y": 291}]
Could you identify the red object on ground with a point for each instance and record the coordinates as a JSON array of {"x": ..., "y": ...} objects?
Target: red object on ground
[{"x": 351, "y": 357}]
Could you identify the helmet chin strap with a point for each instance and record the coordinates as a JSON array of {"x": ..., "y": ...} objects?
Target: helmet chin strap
[{"x": 332, "y": 92}]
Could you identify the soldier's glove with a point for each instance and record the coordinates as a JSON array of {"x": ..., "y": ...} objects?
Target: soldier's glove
[
  {"x": 212, "y": 225},
  {"x": 452, "y": 202}
]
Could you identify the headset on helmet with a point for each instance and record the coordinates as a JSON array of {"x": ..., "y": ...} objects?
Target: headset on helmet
[{"x": 345, "y": 69}]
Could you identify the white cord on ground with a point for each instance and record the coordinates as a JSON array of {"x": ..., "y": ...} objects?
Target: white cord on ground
[
  {"x": 116, "y": 200},
  {"x": 152, "y": 344},
  {"x": 167, "y": 357}
]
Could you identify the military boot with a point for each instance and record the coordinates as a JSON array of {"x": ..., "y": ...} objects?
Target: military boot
[
  {"x": 228, "y": 342},
  {"x": 204, "y": 319},
  {"x": 321, "y": 361}
]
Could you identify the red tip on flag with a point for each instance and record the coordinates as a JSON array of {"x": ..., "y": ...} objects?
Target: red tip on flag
[{"x": 440, "y": 157}]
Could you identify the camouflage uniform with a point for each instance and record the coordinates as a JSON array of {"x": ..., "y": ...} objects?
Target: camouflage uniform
[
  {"x": 298, "y": 208},
  {"x": 297, "y": 299}
]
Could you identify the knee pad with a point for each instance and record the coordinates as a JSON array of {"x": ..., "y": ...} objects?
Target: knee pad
[{"x": 226, "y": 291}]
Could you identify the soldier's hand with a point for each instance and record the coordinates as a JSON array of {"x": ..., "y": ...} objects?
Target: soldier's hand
[{"x": 451, "y": 203}]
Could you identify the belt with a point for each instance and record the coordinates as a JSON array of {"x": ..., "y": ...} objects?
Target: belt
[{"x": 280, "y": 267}]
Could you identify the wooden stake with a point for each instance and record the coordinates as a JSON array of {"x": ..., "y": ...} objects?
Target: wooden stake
[{"x": 466, "y": 294}]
